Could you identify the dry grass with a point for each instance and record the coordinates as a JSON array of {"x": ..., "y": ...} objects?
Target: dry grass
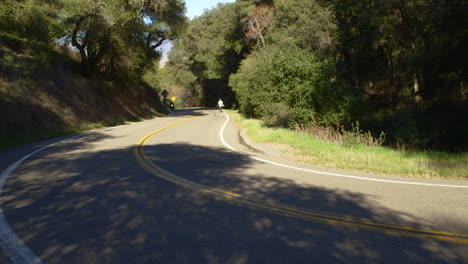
[
  {"x": 43, "y": 101},
  {"x": 377, "y": 159},
  {"x": 355, "y": 136}
]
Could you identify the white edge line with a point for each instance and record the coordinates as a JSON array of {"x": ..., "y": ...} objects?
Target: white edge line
[
  {"x": 10, "y": 243},
  {"x": 221, "y": 135}
]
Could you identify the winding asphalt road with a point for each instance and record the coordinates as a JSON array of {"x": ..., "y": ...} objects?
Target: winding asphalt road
[{"x": 176, "y": 190}]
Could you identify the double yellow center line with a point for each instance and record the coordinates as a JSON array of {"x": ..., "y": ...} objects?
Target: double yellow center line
[{"x": 283, "y": 209}]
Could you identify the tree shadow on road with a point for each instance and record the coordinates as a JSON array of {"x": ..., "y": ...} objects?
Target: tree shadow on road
[{"x": 102, "y": 207}]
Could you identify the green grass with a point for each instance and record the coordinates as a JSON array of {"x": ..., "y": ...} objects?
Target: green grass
[
  {"x": 38, "y": 133},
  {"x": 421, "y": 164}
]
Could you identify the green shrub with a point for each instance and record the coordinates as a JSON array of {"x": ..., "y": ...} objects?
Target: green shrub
[
  {"x": 276, "y": 115},
  {"x": 13, "y": 41},
  {"x": 291, "y": 80}
]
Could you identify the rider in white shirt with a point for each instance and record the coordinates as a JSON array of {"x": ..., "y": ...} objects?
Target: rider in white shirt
[{"x": 220, "y": 104}]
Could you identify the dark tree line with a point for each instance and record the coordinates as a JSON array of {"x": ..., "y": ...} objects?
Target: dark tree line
[
  {"x": 400, "y": 47},
  {"x": 395, "y": 65}
]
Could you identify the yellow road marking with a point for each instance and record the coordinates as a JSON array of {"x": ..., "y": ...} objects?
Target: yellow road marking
[{"x": 282, "y": 209}]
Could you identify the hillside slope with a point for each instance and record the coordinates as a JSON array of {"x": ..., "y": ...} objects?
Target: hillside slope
[{"x": 34, "y": 97}]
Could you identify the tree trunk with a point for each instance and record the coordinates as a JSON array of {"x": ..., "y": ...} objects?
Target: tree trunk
[{"x": 417, "y": 89}]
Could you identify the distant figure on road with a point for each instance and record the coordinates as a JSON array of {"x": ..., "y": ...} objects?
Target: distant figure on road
[
  {"x": 171, "y": 105},
  {"x": 220, "y": 105}
]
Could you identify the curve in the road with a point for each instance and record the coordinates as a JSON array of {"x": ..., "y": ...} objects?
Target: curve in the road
[
  {"x": 15, "y": 248},
  {"x": 282, "y": 209},
  {"x": 221, "y": 135},
  {"x": 10, "y": 243}
]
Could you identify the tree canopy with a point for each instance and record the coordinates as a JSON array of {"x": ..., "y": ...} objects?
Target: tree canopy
[
  {"x": 211, "y": 49},
  {"x": 113, "y": 37},
  {"x": 387, "y": 64},
  {"x": 334, "y": 62}
]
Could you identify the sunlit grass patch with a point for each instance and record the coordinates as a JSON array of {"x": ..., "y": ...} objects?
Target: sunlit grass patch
[{"x": 421, "y": 164}]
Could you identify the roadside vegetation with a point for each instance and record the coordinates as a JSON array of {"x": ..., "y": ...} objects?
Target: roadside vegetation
[
  {"x": 393, "y": 67},
  {"x": 392, "y": 72},
  {"x": 357, "y": 152},
  {"x": 65, "y": 64}
]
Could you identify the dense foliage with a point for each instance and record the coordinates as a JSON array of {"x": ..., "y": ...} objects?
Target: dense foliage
[
  {"x": 394, "y": 66},
  {"x": 290, "y": 86},
  {"x": 403, "y": 49},
  {"x": 112, "y": 37},
  {"x": 389, "y": 64},
  {"x": 291, "y": 79},
  {"x": 211, "y": 50}
]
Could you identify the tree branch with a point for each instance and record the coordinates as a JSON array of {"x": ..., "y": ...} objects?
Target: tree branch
[
  {"x": 75, "y": 43},
  {"x": 159, "y": 43}
]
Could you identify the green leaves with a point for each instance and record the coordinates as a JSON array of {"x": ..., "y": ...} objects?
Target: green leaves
[
  {"x": 111, "y": 35},
  {"x": 329, "y": 61},
  {"x": 304, "y": 23},
  {"x": 397, "y": 45},
  {"x": 216, "y": 40},
  {"x": 292, "y": 80},
  {"x": 121, "y": 35},
  {"x": 31, "y": 20},
  {"x": 287, "y": 86}
]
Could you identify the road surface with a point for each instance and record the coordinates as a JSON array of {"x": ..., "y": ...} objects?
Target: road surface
[{"x": 175, "y": 190}]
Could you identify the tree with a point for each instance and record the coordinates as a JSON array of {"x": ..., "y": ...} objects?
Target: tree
[
  {"x": 304, "y": 23},
  {"x": 121, "y": 33},
  {"x": 26, "y": 22},
  {"x": 177, "y": 78},
  {"x": 289, "y": 86},
  {"x": 257, "y": 21},
  {"x": 212, "y": 48},
  {"x": 392, "y": 49}
]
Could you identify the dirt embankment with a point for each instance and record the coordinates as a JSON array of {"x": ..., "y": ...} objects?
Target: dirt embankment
[{"x": 35, "y": 96}]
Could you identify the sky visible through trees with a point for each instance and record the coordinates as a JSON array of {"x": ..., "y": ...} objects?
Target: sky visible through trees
[
  {"x": 194, "y": 8},
  {"x": 392, "y": 66}
]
